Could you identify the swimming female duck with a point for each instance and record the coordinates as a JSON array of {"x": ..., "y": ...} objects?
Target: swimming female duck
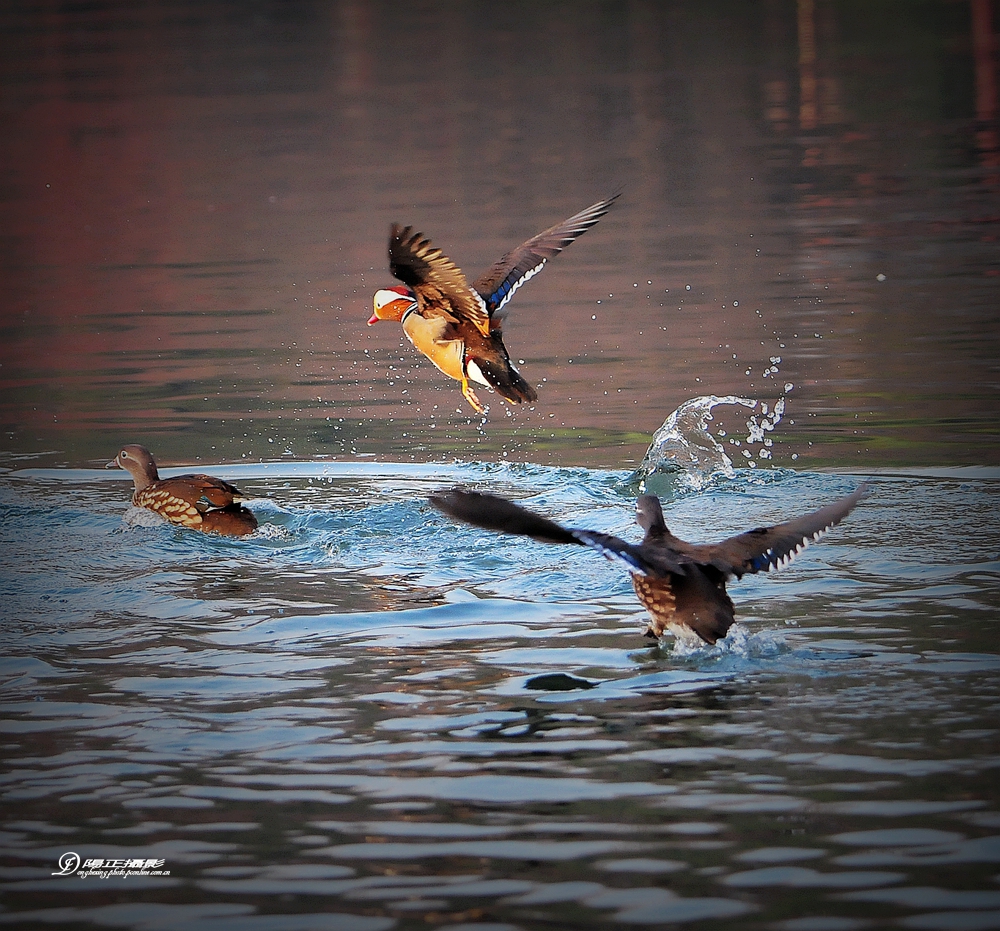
[{"x": 200, "y": 502}]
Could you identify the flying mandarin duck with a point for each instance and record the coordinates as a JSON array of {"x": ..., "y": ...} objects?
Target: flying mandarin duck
[
  {"x": 197, "y": 501},
  {"x": 458, "y": 326},
  {"x": 681, "y": 585}
]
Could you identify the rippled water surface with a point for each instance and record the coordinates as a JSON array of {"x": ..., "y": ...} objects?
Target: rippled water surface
[
  {"x": 364, "y": 709},
  {"x": 366, "y": 717}
]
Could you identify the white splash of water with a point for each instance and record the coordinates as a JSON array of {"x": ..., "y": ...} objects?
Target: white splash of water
[
  {"x": 759, "y": 427},
  {"x": 685, "y": 455},
  {"x": 684, "y": 449},
  {"x": 267, "y": 531},
  {"x": 142, "y": 517},
  {"x": 740, "y": 644}
]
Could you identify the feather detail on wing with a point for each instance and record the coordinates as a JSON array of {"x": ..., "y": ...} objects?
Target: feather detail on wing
[
  {"x": 498, "y": 284},
  {"x": 201, "y": 491},
  {"x": 177, "y": 509},
  {"x": 618, "y": 551},
  {"x": 770, "y": 548},
  {"x": 200, "y": 502},
  {"x": 429, "y": 272},
  {"x": 501, "y": 375}
]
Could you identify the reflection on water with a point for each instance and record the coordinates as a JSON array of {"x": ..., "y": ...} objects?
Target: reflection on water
[{"x": 198, "y": 197}]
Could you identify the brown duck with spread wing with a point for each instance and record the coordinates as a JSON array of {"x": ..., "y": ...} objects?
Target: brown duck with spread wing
[
  {"x": 200, "y": 502},
  {"x": 682, "y": 585},
  {"x": 458, "y": 326}
]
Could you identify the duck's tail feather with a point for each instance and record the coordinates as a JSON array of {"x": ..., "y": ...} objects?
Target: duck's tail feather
[{"x": 505, "y": 380}]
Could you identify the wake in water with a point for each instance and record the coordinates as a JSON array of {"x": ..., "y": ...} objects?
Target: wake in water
[{"x": 684, "y": 456}]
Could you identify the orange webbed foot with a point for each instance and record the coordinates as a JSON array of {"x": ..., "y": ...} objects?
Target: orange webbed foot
[{"x": 470, "y": 396}]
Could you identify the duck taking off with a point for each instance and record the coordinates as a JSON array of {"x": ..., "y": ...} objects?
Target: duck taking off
[
  {"x": 458, "y": 326},
  {"x": 681, "y": 585}
]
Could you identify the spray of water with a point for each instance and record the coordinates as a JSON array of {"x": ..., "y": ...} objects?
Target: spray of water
[{"x": 685, "y": 456}]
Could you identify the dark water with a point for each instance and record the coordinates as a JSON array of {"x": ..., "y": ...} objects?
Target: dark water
[
  {"x": 365, "y": 717},
  {"x": 197, "y": 196}
]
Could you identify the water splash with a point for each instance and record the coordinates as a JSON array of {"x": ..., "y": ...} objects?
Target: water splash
[
  {"x": 683, "y": 454},
  {"x": 757, "y": 429},
  {"x": 142, "y": 517}
]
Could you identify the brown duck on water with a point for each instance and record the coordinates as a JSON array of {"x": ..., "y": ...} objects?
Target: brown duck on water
[
  {"x": 200, "y": 502},
  {"x": 682, "y": 585}
]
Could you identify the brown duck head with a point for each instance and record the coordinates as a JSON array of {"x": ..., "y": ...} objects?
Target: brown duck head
[{"x": 138, "y": 462}]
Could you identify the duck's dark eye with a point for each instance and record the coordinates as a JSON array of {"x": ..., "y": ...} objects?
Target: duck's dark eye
[{"x": 123, "y": 454}]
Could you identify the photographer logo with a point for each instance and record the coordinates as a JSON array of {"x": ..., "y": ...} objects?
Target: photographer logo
[
  {"x": 71, "y": 863},
  {"x": 68, "y": 863}
]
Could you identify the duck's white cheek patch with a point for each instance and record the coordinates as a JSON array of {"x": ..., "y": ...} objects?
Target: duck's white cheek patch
[
  {"x": 475, "y": 373},
  {"x": 384, "y": 296}
]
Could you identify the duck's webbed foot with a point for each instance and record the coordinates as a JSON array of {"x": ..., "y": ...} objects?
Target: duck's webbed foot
[{"x": 470, "y": 396}]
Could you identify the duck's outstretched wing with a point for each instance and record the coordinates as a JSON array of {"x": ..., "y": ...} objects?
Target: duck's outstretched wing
[
  {"x": 769, "y": 548},
  {"x": 433, "y": 276},
  {"x": 494, "y": 513},
  {"x": 499, "y": 514},
  {"x": 498, "y": 284}
]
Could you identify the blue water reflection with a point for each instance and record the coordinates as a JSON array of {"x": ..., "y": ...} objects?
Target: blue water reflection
[{"x": 364, "y": 706}]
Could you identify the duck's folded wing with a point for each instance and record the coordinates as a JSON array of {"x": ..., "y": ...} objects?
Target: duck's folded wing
[
  {"x": 769, "y": 548},
  {"x": 203, "y": 491},
  {"x": 432, "y": 275},
  {"x": 498, "y": 284}
]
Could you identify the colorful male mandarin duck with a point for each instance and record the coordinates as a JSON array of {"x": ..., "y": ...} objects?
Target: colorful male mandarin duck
[
  {"x": 456, "y": 326},
  {"x": 197, "y": 501},
  {"x": 681, "y": 585}
]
